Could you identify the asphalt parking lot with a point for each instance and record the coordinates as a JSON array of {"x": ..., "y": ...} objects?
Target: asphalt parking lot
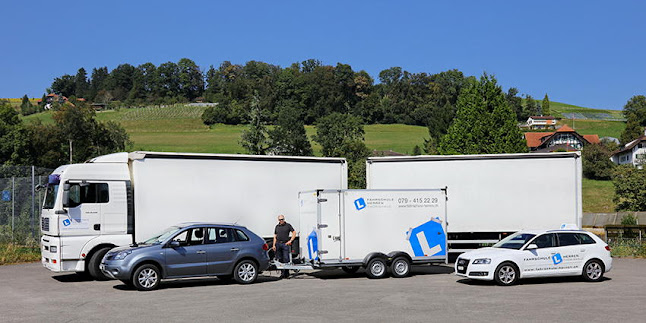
[{"x": 30, "y": 293}]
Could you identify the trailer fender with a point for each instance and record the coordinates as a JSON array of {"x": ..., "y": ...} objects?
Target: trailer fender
[
  {"x": 394, "y": 254},
  {"x": 372, "y": 255}
]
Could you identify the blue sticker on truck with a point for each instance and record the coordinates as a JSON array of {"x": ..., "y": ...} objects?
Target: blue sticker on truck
[
  {"x": 360, "y": 204},
  {"x": 428, "y": 239},
  {"x": 67, "y": 222}
]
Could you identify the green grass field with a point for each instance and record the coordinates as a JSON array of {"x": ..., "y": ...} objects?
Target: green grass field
[
  {"x": 557, "y": 109},
  {"x": 597, "y": 196}
]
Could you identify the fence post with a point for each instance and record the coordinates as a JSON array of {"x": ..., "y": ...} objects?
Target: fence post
[
  {"x": 13, "y": 204},
  {"x": 33, "y": 198}
]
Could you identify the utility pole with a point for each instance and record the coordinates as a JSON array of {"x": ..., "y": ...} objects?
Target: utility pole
[
  {"x": 33, "y": 200},
  {"x": 13, "y": 204},
  {"x": 70, "y": 151}
]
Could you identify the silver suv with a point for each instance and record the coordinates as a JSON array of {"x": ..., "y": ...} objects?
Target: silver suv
[{"x": 190, "y": 250}]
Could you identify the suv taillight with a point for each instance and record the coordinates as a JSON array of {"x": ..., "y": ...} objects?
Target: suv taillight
[
  {"x": 265, "y": 247},
  {"x": 608, "y": 247}
]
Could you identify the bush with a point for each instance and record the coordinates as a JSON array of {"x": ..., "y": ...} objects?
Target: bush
[
  {"x": 630, "y": 188},
  {"x": 596, "y": 162},
  {"x": 627, "y": 248}
]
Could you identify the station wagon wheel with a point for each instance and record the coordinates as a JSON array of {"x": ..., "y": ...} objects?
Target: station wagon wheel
[
  {"x": 246, "y": 272},
  {"x": 400, "y": 267},
  {"x": 506, "y": 274},
  {"x": 146, "y": 277},
  {"x": 593, "y": 271},
  {"x": 376, "y": 268}
]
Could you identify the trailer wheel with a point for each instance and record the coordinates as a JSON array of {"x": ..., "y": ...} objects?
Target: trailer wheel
[
  {"x": 95, "y": 262},
  {"x": 350, "y": 269},
  {"x": 400, "y": 267},
  {"x": 376, "y": 268}
]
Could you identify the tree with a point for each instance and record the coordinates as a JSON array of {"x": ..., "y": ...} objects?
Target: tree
[
  {"x": 516, "y": 104},
  {"x": 632, "y": 131},
  {"x": 64, "y": 85},
  {"x": 97, "y": 83},
  {"x": 546, "y": 106},
  {"x": 191, "y": 80},
  {"x": 341, "y": 135},
  {"x": 13, "y": 137},
  {"x": 484, "y": 123},
  {"x": 26, "y": 108},
  {"x": 596, "y": 162},
  {"x": 635, "y": 112},
  {"x": 635, "y": 108},
  {"x": 254, "y": 138},
  {"x": 531, "y": 107},
  {"x": 81, "y": 84},
  {"x": 630, "y": 188},
  {"x": 289, "y": 137}
]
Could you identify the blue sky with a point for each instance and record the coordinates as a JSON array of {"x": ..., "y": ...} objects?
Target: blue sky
[{"x": 588, "y": 53}]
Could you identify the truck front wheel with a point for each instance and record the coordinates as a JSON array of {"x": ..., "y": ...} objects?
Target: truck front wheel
[
  {"x": 95, "y": 262},
  {"x": 376, "y": 268}
]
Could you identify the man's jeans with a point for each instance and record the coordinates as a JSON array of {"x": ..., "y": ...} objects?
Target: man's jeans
[{"x": 282, "y": 252}]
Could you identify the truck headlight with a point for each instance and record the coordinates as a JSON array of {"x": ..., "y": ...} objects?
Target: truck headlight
[
  {"x": 482, "y": 261},
  {"x": 53, "y": 249},
  {"x": 122, "y": 254}
]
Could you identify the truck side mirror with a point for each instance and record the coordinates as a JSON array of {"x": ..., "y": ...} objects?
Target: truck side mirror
[{"x": 66, "y": 195}]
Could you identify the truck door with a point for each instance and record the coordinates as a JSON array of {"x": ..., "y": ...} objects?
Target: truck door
[
  {"x": 84, "y": 209},
  {"x": 329, "y": 218}
]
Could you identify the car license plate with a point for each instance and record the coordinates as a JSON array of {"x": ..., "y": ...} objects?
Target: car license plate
[{"x": 460, "y": 267}]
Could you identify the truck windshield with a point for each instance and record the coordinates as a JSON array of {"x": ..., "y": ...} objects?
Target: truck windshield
[
  {"x": 162, "y": 236},
  {"x": 50, "y": 196},
  {"x": 514, "y": 241}
]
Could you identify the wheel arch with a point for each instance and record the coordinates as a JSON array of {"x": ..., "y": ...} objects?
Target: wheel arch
[{"x": 373, "y": 255}]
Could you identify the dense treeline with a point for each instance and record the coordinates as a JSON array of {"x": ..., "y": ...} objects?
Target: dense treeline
[{"x": 314, "y": 89}]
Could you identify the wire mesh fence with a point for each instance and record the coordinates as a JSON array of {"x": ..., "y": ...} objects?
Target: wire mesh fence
[{"x": 20, "y": 203}]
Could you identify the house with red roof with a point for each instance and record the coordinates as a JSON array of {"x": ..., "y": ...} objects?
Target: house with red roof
[
  {"x": 633, "y": 152},
  {"x": 563, "y": 139},
  {"x": 541, "y": 122}
]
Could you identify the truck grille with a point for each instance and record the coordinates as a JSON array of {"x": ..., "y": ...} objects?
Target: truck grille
[
  {"x": 44, "y": 223},
  {"x": 464, "y": 263}
]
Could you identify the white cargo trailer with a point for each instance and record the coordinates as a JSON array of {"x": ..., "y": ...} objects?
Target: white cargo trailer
[
  {"x": 121, "y": 198},
  {"x": 374, "y": 229},
  {"x": 491, "y": 195}
]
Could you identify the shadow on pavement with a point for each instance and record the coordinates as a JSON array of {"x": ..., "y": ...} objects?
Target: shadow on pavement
[
  {"x": 530, "y": 281},
  {"x": 73, "y": 278},
  {"x": 415, "y": 271},
  {"x": 195, "y": 282}
]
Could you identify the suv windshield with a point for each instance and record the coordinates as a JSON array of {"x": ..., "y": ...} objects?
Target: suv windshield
[
  {"x": 50, "y": 196},
  {"x": 514, "y": 241},
  {"x": 162, "y": 236}
]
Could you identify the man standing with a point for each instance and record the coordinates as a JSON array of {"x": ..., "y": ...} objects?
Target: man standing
[{"x": 283, "y": 241}]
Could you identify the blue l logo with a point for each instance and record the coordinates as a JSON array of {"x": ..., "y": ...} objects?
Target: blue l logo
[
  {"x": 557, "y": 259},
  {"x": 67, "y": 222},
  {"x": 360, "y": 203}
]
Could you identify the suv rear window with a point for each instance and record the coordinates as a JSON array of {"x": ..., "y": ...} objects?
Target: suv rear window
[{"x": 241, "y": 236}]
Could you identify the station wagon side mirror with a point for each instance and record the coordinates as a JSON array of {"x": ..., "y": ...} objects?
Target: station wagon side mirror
[
  {"x": 531, "y": 246},
  {"x": 173, "y": 244}
]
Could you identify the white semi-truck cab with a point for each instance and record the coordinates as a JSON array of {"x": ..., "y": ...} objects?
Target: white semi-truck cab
[
  {"x": 121, "y": 198},
  {"x": 85, "y": 213}
]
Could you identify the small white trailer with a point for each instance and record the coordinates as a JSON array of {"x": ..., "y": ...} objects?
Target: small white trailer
[
  {"x": 374, "y": 229},
  {"x": 491, "y": 195}
]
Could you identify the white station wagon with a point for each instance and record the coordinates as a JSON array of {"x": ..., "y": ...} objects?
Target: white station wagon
[{"x": 528, "y": 254}]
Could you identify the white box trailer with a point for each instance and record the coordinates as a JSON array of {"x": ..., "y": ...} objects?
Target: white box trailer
[
  {"x": 491, "y": 195},
  {"x": 121, "y": 198},
  {"x": 375, "y": 229}
]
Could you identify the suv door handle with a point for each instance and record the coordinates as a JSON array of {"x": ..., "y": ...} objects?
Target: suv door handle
[
  {"x": 235, "y": 249},
  {"x": 201, "y": 251}
]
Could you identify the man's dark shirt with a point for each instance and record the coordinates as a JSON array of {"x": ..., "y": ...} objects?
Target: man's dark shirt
[{"x": 282, "y": 232}]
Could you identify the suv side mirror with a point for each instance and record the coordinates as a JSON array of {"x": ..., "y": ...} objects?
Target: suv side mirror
[
  {"x": 173, "y": 244},
  {"x": 66, "y": 195},
  {"x": 531, "y": 246}
]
